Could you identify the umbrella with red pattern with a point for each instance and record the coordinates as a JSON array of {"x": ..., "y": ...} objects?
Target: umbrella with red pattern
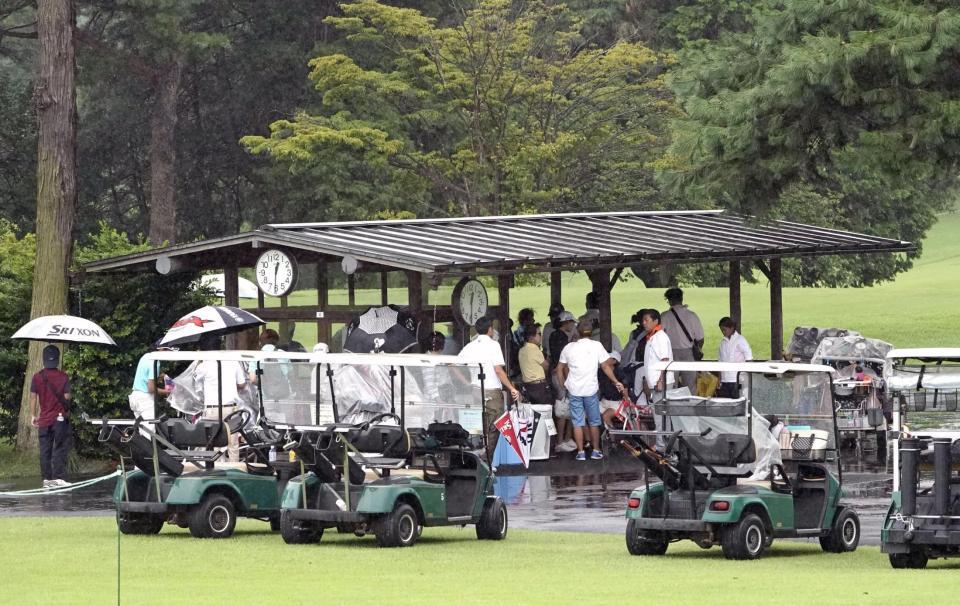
[{"x": 212, "y": 320}]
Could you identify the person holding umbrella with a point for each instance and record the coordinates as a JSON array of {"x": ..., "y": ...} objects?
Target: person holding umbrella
[
  {"x": 50, "y": 388},
  {"x": 50, "y": 409}
]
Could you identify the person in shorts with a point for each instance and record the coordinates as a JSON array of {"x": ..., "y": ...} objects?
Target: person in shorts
[
  {"x": 610, "y": 396},
  {"x": 565, "y": 331},
  {"x": 577, "y": 368}
]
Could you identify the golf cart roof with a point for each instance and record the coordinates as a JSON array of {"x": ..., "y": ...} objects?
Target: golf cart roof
[
  {"x": 355, "y": 359},
  {"x": 923, "y": 353},
  {"x": 767, "y": 368}
]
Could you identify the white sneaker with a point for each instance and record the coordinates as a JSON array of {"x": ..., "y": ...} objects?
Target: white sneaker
[
  {"x": 58, "y": 483},
  {"x": 568, "y": 446}
]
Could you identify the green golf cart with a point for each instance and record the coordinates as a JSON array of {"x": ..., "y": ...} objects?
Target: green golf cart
[
  {"x": 173, "y": 467},
  {"x": 403, "y": 454},
  {"x": 923, "y": 387},
  {"x": 729, "y": 478}
]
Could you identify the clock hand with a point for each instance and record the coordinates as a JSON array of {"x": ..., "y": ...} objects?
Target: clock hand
[
  {"x": 473, "y": 295},
  {"x": 275, "y": 269}
]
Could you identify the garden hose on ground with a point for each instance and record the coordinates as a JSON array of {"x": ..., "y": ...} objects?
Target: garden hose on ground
[{"x": 40, "y": 492}]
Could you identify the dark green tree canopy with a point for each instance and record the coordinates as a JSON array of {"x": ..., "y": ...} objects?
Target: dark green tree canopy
[
  {"x": 509, "y": 110},
  {"x": 842, "y": 113}
]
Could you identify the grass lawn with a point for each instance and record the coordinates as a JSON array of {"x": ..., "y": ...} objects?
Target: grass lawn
[
  {"x": 74, "y": 561},
  {"x": 917, "y": 309}
]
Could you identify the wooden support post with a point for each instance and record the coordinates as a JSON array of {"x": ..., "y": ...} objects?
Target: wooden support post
[
  {"x": 776, "y": 310},
  {"x": 601, "y": 286},
  {"x": 287, "y": 326},
  {"x": 384, "y": 297},
  {"x": 556, "y": 292},
  {"x": 351, "y": 294},
  {"x": 231, "y": 297},
  {"x": 323, "y": 324},
  {"x": 415, "y": 292},
  {"x": 504, "y": 282},
  {"x": 735, "y": 293}
]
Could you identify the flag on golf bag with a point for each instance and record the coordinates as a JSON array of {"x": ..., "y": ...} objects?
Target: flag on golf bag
[{"x": 517, "y": 428}]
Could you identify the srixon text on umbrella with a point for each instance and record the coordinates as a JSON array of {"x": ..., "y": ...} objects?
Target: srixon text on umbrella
[{"x": 56, "y": 330}]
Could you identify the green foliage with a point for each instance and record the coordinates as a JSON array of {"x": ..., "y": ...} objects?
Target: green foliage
[
  {"x": 509, "y": 110},
  {"x": 135, "y": 310},
  {"x": 840, "y": 113},
  {"x": 16, "y": 279}
]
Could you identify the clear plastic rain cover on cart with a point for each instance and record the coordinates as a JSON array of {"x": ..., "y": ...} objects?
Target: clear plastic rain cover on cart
[
  {"x": 767, "y": 448},
  {"x": 852, "y": 348}
]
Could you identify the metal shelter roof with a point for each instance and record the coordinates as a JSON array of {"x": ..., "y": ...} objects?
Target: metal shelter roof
[{"x": 507, "y": 244}]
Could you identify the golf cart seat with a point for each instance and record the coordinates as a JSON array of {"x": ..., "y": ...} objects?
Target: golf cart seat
[
  {"x": 205, "y": 433},
  {"x": 722, "y": 449},
  {"x": 390, "y": 441},
  {"x": 323, "y": 454},
  {"x": 128, "y": 442}
]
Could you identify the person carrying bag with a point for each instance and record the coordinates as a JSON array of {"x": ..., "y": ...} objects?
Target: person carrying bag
[{"x": 50, "y": 407}]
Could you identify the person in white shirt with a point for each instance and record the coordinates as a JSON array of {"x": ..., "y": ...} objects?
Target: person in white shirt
[
  {"x": 656, "y": 382},
  {"x": 733, "y": 348},
  {"x": 685, "y": 332},
  {"x": 577, "y": 369},
  {"x": 222, "y": 388},
  {"x": 483, "y": 349}
]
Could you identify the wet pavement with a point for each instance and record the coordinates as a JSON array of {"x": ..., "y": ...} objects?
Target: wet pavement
[
  {"x": 88, "y": 501},
  {"x": 559, "y": 495}
]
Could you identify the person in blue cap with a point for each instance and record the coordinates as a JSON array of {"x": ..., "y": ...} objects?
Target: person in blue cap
[{"x": 50, "y": 409}]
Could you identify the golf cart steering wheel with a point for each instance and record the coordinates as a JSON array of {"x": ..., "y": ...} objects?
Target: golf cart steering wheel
[{"x": 243, "y": 414}]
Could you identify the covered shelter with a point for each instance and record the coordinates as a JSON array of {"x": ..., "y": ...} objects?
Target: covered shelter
[{"x": 430, "y": 251}]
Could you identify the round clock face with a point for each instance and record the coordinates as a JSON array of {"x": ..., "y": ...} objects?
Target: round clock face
[
  {"x": 473, "y": 302},
  {"x": 276, "y": 273}
]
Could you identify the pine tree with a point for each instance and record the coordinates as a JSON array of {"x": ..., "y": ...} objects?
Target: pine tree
[{"x": 843, "y": 113}]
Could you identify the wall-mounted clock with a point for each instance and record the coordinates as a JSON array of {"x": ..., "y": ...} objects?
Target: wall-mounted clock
[
  {"x": 276, "y": 272},
  {"x": 470, "y": 301}
]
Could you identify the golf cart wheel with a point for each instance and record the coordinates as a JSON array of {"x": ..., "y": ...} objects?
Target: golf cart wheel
[
  {"x": 399, "y": 528},
  {"x": 914, "y": 559},
  {"x": 492, "y": 525},
  {"x": 844, "y": 534},
  {"x": 745, "y": 540},
  {"x": 644, "y": 542},
  {"x": 298, "y": 532},
  {"x": 214, "y": 518},
  {"x": 132, "y": 523},
  {"x": 275, "y": 522}
]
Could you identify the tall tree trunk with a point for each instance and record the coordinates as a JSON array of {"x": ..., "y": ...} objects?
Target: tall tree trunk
[
  {"x": 163, "y": 156},
  {"x": 55, "y": 99}
]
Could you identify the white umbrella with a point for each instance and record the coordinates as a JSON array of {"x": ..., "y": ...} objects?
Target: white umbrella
[
  {"x": 209, "y": 320},
  {"x": 63, "y": 328},
  {"x": 245, "y": 288}
]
